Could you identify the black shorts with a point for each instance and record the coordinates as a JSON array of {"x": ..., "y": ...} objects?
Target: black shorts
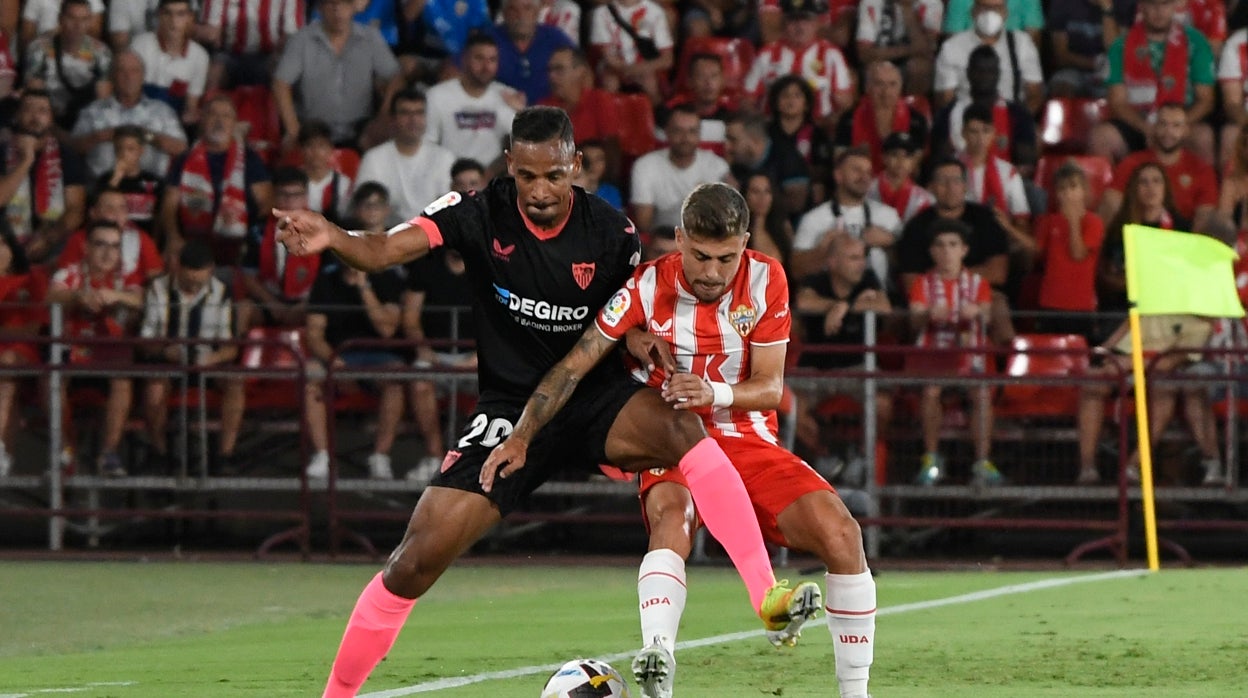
[{"x": 575, "y": 440}]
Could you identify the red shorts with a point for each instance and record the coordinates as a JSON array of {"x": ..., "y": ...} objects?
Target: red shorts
[{"x": 773, "y": 477}]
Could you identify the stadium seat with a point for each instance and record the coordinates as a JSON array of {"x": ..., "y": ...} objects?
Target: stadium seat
[
  {"x": 1067, "y": 123},
  {"x": 737, "y": 55},
  {"x": 256, "y": 108},
  {"x": 1099, "y": 170},
  {"x": 636, "y": 125},
  {"x": 272, "y": 392},
  {"x": 1022, "y": 400}
]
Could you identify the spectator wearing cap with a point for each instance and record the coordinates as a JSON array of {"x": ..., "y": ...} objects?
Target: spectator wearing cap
[
  {"x": 1014, "y": 126},
  {"x": 662, "y": 179},
  {"x": 342, "y": 68},
  {"x": 802, "y": 53},
  {"x": 632, "y": 42},
  {"x": 847, "y": 212},
  {"x": 525, "y": 47},
  {"x": 895, "y": 185},
  {"x": 1021, "y": 79},
  {"x": 879, "y": 113},
  {"x": 903, "y": 33},
  {"x": 987, "y": 246}
]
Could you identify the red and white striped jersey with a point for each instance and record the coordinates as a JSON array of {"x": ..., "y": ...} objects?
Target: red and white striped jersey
[
  {"x": 253, "y": 26},
  {"x": 821, "y": 63},
  {"x": 712, "y": 340}
]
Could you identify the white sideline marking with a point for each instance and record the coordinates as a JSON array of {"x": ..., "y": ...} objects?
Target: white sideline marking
[
  {"x": 72, "y": 689},
  {"x": 455, "y": 682}
]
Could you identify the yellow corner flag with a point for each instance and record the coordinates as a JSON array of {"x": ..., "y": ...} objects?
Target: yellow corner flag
[{"x": 1170, "y": 273}]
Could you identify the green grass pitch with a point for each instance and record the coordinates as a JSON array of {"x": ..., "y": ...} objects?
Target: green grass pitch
[{"x": 156, "y": 630}]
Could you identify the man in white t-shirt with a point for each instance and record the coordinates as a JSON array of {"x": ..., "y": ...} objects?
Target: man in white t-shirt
[
  {"x": 849, "y": 211},
  {"x": 413, "y": 171},
  {"x": 662, "y": 179},
  {"x": 471, "y": 115},
  {"x": 1021, "y": 78},
  {"x": 176, "y": 67},
  {"x": 42, "y": 16}
]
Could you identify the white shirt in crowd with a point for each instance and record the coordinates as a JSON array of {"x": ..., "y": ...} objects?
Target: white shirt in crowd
[
  {"x": 413, "y": 181},
  {"x": 659, "y": 183},
  {"x": 648, "y": 20},
  {"x": 1233, "y": 65},
  {"x": 1011, "y": 183},
  {"x": 172, "y": 71},
  {"x": 134, "y": 17},
  {"x": 318, "y": 196},
  {"x": 955, "y": 54},
  {"x": 830, "y": 215},
  {"x": 469, "y": 127}
]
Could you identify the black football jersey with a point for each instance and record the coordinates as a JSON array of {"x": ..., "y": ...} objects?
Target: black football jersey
[{"x": 533, "y": 293}]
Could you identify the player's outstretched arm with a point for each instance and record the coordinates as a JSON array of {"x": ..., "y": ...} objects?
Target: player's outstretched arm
[
  {"x": 308, "y": 232},
  {"x": 548, "y": 398}
]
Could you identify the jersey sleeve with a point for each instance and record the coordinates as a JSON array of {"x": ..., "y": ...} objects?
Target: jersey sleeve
[
  {"x": 625, "y": 309},
  {"x": 446, "y": 221},
  {"x": 776, "y": 324}
]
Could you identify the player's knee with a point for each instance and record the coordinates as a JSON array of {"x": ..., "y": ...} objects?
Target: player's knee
[
  {"x": 670, "y": 511},
  {"x": 408, "y": 573},
  {"x": 842, "y": 542}
]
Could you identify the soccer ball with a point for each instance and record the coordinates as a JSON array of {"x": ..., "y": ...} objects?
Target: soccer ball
[{"x": 586, "y": 678}]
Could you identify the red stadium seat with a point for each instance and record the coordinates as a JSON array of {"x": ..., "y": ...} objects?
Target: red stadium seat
[
  {"x": 1067, "y": 123},
  {"x": 1099, "y": 170},
  {"x": 737, "y": 56},
  {"x": 256, "y": 108},
  {"x": 1021, "y": 400},
  {"x": 269, "y": 392},
  {"x": 636, "y": 125}
]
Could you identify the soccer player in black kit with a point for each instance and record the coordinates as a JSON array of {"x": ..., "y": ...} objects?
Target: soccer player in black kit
[{"x": 542, "y": 257}]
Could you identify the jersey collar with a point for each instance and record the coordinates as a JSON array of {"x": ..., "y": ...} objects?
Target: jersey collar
[{"x": 540, "y": 233}]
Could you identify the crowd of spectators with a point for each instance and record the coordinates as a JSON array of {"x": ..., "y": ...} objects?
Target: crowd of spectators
[{"x": 889, "y": 150}]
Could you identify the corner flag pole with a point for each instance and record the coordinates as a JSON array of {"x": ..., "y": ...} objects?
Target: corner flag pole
[{"x": 1145, "y": 441}]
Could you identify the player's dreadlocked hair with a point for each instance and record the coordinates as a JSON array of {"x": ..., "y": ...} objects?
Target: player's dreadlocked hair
[
  {"x": 715, "y": 211},
  {"x": 541, "y": 125}
]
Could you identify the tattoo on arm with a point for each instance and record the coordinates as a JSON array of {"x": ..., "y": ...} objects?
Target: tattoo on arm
[{"x": 560, "y": 382}]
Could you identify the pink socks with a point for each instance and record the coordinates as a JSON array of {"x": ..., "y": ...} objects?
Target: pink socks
[
  {"x": 374, "y": 624},
  {"x": 725, "y": 508}
]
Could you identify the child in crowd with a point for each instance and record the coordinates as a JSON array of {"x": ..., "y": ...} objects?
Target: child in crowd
[
  {"x": 949, "y": 309},
  {"x": 1068, "y": 245}
]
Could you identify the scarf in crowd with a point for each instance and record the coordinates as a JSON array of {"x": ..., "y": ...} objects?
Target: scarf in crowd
[
  {"x": 47, "y": 201},
  {"x": 898, "y": 198},
  {"x": 864, "y": 130},
  {"x": 993, "y": 191},
  {"x": 201, "y": 213},
  {"x": 1147, "y": 89},
  {"x": 291, "y": 276}
]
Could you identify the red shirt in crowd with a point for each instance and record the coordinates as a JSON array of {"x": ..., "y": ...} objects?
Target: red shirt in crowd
[
  {"x": 595, "y": 116},
  {"x": 1068, "y": 283},
  {"x": 1193, "y": 183},
  {"x": 140, "y": 259}
]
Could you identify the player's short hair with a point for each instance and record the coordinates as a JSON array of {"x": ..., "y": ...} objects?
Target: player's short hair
[
  {"x": 125, "y": 131},
  {"x": 312, "y": 130},
  {"x": 541, "y": 125},
  {"x": 368, "y": 190},
  {"x": 195, "y": 255},
  {"x": 977, "y": 112},
  {"x": 463, "y": 165},
  {"x": 289, "y": 175},
  {"x": 715, "y": 211},
  {"x": 407, "y": 94}
]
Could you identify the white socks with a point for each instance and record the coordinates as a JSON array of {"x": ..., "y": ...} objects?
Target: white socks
[
  {"x": 850, "y": 610},
  {"x": 661, "y": 591}
]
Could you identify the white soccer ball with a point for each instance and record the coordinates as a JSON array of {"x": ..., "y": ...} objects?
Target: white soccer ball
[{"x": 586, "y": 678}]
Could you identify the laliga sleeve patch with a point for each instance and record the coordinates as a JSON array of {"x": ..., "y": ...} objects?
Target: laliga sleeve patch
[
  {"x": 616, "y": 307},
  {"x": 445, "y": 201}
]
